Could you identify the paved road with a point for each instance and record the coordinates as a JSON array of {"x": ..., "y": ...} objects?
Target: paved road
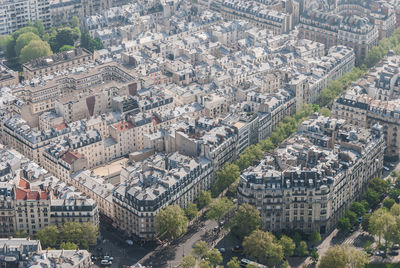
[
  {"x": 171, "y": 255},
  {"x": 113, "y": 244}
]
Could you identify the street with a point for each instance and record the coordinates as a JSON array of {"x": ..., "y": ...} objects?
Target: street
[
  {"x": 112, "y": 243},
  {"x": 171, "y": 255}
]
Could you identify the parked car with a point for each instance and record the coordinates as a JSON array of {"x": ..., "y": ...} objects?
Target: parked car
[
  {"x": 380, "y": 253},
  {"x": 237, "y": 249},
  {"x": 221, "y": 250},
  {"x": 106, "y": 262},
  {"x": 393, "y": 253},
  {"x": 108, "y": 258},
  {"x": 396, "y": 246}
]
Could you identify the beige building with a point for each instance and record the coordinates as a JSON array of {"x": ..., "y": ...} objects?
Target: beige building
[
  {"x": 56, "y": 63},
  {"x": 136, "y": 206},
  {"x": 304, "y": 184}
]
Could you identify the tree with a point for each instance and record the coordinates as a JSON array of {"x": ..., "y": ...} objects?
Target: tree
[
  {"x": 365, "y": 222},
  {"x": 191, "y": 211},
  {"x": 314, "y": 256},
  {"x": 388, "y": 203},
  {"x": 225, "y": 177},
  {"x": 171, "y": 222},
  {"x": 343, "y": 256},
  {"x": 315, "y": 237},
  {"x": 68, "y": 246},
  {"x": 372, "y": 197},
  {"x": 297, "y": 237},
  {"x": 75, "y": 23},
  {"x": 49, "y": 236},
  {"x": 325, "y": 112},
  {"x": 214, "y": 257},
  {"x": 382, "y": 224},
  {"x": 204, "y": 199},
  {"x": 264, "y": 247},
  {"x": 40, "y": 27},
  {"x": 358, "y": 208},
  {"x": 35, "y": 49},
  {"x": 246, "y": 220},
  {"x": 188, "y": 262},
  {"x": 90, "y": 234},
  {"x": 200, "y": 249},
  {"x": 63, "y": 36},
  {"x": 233, "y": 263},
  {"x": 204, "y": 264},
  {"x": 266, "y": 145},
  {"x": 351, "y": 216},
  {"x": 344, "y": 224},
  {"x": 89, "y": 43},
  {"x": 23, "y": 40},
  {"x": 288, "y": 245},
  {"x": 219, "y": 208},
  {"x": 66, "y": 48},
  {"x": 379, "y": 185},
  {"x": 301, "y": 249}
]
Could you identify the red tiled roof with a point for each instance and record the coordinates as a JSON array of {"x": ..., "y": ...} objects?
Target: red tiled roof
[
  {"x": 24, "y": 184},
  {"x": 60, "y": 126},
  {"x": 23, "y": 192},
  {"x": 122, "y": 126},
  {"x": 70, "y": 157}
]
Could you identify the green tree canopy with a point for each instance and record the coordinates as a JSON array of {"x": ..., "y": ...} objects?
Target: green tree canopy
[
  {"x": 35, "y": 49},
  {"x": 226, "y": 176},
  {"x": 288, "y": 245},
  {"x": 49, "y": 236},
  {"x": 171, "y": 222},
  {"x": 388, "y": 203},
  {"x": 66, "y": 48},
  {"x": 246, "y": 220},
  {"x": 23, "y": 40},
  {"x": 301, "y": 249},
  {"x": 343, "y": 256},
  {"x": 214, "y": 257},
  {"x": 200, "y": 249},
  {"x": 344, "y": 224},
  {"x": 315, "y": 237},
  {"x": 358, "y": 208},
  {"x": 68, "y": 246},
  {"x": 191, "y": 211},
  {"x": 204, "y": 199},
  {"x": 264, "y": 247},
  {"x": 219, "y": 208},
  {"x": 233, "y": 263},
  {"x": 188, "y": 262}
]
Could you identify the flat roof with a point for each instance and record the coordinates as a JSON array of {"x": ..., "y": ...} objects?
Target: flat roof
[{"x": 111, "y": 168}]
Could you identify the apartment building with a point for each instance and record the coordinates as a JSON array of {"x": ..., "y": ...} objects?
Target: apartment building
[
  {"x": 97, "y": 189},
  {"x": 15, "y": 14},
  {"x": 259, "y": 13},
  {"x": 56, "y": 63},
  {"x": 83, "y": 88},
  {"x": 7, "y": 207},
  {"x": 305, "y": 184},
  {"x": 380, "y": 13},
  {"x": 332, "y": 29},
  {"x": 374, "y": 99},
  {"x": 8, "y": 77},
  {"x": 153, "y": 184}
]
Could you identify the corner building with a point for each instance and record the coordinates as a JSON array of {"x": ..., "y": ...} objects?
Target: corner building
[{"x": 311, "y": 180}]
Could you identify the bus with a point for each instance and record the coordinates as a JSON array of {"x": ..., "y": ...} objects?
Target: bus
[{"x": 244, "y": 262}]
